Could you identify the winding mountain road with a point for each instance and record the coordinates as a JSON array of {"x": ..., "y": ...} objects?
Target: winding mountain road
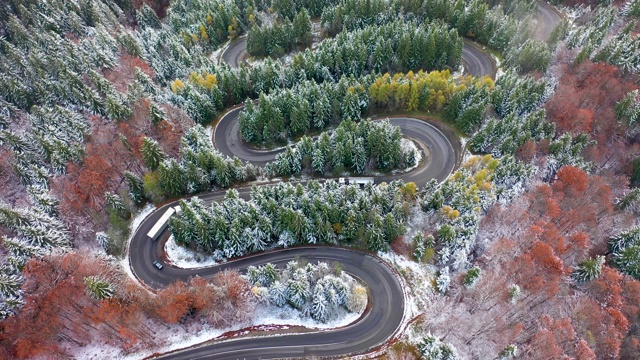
[
  {"x": 439, "y": 145},
  {"x": 441, "y": 150},
  {"x": 476, "y": 61}
]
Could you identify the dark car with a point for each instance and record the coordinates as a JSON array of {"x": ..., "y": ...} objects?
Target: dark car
[{"x": 157, "y": 264}]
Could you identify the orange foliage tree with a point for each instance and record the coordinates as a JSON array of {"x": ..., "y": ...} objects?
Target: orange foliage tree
[{"x": 58, "y": 311}]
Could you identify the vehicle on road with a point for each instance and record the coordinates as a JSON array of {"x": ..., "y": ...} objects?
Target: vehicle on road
[
  {"x": 157, "y": 264},
  {"x": 360, "y": 181},
  {"x": 161, "y": 224}
]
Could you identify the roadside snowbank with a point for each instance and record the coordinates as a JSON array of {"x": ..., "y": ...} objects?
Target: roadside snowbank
[
  {"x": 176, "y": 337},
  {"x": 409, "y": 145},
  {"x": 419, "y": 295},
  {"x": 185, "y": 258}
]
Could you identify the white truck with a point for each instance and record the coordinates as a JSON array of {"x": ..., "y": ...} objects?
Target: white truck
[
  {"x": 162, "y": 223},
  {"x": 360, "y": 181}
]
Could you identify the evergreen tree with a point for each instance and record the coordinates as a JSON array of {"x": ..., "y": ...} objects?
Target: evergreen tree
[
  {"x": 147, "y": 17},
  {"x": 319, "y": 306},
  {"x": 156, "y": 113},
  {"x": 152, "y": 154},
  {"x": 171, "y": 177},
  {"x": 302, "y": 28},
  {"x": 432, "y": 348},
  {"x": 297, "y": 293},
  {"x": 98, "y": 288},
  {"x": 136, "y": 186},
  {"x": 588, "y": 269},
  {"x": 278, "y": 294}
]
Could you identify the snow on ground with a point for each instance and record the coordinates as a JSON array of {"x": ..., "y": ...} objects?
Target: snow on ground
[
  {"x": 217, "y": 55},
  {"x": 499, "y": 70},
  {"x": 185, "y": 258},
  {"x": 409, "y": 145},
  {"x": 273, "y": 315},
  {"x": 459, "y": 72},
  {"x": 176, "y": 336},
  {"x": 139, "y": 218},
  {"x": 179, "y": 337},
  {"x": 419, "y": 295}
]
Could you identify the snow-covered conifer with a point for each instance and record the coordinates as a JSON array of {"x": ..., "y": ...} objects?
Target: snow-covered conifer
[
  {"x": 443, "y": 279},
  {"x": 320, "y": 305},
  {"x": 98, "y": 288},
  {"x": 432, "y": 348},
  {"x": 103, "y": 240},
  {"x": 588, "y": 269},
  {"x": 514, "y": 293}
]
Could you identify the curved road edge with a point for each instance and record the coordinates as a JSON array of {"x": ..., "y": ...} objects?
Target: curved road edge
[
  {"x": 436, "y": 140},
  {"x": 550, "y": 17}
]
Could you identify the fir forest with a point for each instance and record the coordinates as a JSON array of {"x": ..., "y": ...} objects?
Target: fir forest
[{"x": 320, "y": 179}]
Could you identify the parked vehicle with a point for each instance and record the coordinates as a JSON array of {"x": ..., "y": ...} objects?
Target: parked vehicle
[{"x": 360, "y": 181}]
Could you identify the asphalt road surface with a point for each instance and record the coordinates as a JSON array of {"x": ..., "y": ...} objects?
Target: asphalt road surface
[
  {"x": 476, "y": 61},
  {"x": 549, "y": 18},
  {"x": 441, "y": 150},
  {"x": 235, "y": 51}
]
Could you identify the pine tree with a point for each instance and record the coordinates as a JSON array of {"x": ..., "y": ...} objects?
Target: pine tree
[
  {"x": 147, "y": 17},
  {"x": 235, "y": 244},
  {"x": 319, "y": 305},
  {"x": 156, "y": 113},
  {"x": 10, "y": 285},
  {"x": 114, "y": 201},
  {"x": 443, "y": 280},
  {"x": 98, "y": 288},
  {"x": 136, "y": 186},
  {"x": 375, "y": 236},
  {"x": 319, "y": 160},
  {"x": 302, "y": 28},
  {"x": 631, "y": 201},
  {"x": 432, "y": 348},
  {"x": 588, "y": 269},
  {"x": 510, "y": 352},
  {"x": 152, "y": 154},
  {"x": 171, "y": 177},
  {"x": 628, "y": 260},
  {"x": 103, "y": 240},
  {"x": 360, "y": 156},
  {"x": 472, "y": 276},
  {"x": 297, "y": 293},
  {"x": 278, "y": 294}
]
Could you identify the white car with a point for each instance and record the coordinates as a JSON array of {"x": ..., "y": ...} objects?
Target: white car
[{"x": 157, "y": 264}]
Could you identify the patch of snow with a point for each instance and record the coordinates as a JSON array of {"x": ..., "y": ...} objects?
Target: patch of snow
[
  {"x": 139, "y": 218},
  {"x": 217, "y": 55},
  {"x": 273, "y": 315},
  {"x": 460, "y": 72},
  {"x": 499, "y": 71},
  {"x": 176, "y": 336},
  {"x": 179, "y": 337},
  {"x": 419, "y": 295},
  {"x": 409, "y": 145},
  {"x": 185, "y": 258},
  {"x": 209, "y": 131}
]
